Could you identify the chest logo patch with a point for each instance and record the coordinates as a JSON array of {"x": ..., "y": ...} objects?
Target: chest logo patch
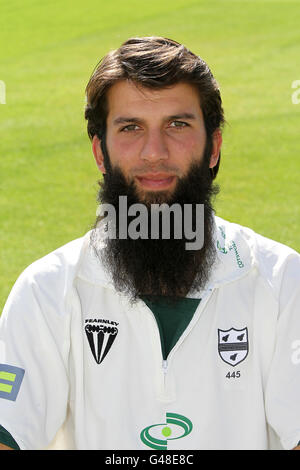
[
  {"x": 101, "y": 335},
  {"x": 233, "y": 345}
]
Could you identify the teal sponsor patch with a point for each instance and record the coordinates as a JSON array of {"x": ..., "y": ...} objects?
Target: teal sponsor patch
[{"x": 10, "y": 381}]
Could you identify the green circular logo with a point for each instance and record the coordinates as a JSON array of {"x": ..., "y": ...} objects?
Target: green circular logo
[{"x": 180, "y": 421}]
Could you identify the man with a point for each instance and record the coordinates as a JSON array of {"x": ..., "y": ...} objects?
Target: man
[{"x": 131, "y": 341}]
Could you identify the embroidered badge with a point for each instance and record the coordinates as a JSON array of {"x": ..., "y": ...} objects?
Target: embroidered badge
[
  {"x": 233, "y": 345},
  {"x": 101, "y": 335},
  {"x": 11, "y": 378}
]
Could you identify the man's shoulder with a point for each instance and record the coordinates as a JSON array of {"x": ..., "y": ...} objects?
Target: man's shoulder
[
  {"x": 65, "y": 258},
  {"x": 58, "y": 269},
  {"x": 53, "y": 274},
  {"x": 48, "y": 281}
]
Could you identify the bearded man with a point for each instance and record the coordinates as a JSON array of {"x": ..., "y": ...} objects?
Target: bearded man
[{"x": 136, "y": 342}]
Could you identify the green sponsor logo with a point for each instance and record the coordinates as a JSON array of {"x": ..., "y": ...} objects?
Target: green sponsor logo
[
  {"x": 231, "y": 246},
  {"x": 157, "y": 436},
  {"x": 237, "y": 255},
  {"x": 220, "y": 248}
]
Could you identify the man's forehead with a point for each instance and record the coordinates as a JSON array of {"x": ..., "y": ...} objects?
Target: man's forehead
[{"x": 133, "y": 99}]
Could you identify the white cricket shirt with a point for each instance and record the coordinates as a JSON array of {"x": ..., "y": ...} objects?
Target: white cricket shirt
[{"x": 75, "y": 356}]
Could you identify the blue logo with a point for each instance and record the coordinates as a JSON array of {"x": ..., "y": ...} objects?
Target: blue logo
[{"x": 10, "y": 381}]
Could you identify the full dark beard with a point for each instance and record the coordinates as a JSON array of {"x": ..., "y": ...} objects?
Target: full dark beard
[{"x": 158, "y": 267}]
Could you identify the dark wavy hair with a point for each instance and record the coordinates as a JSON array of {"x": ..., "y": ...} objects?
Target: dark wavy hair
[{"x": 153, "y": 62}]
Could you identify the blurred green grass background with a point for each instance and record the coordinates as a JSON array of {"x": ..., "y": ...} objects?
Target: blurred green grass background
[{"x": 48, "y": 178}]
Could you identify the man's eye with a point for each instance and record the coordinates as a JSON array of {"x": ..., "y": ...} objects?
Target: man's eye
[
  {"x": 130, "y": 127},
  {"x": 178, "y": 124}
]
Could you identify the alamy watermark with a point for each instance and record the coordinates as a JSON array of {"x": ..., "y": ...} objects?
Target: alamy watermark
[
  {"x": 2, "y": 92},
  {"x": 163, "y": 219},
  {"x": 296, "y": 93}
]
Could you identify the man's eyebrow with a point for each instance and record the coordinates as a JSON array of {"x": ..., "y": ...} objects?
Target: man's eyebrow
[
  {"x": 124, "y": 119},
  {"x": 173, "y": 117}
]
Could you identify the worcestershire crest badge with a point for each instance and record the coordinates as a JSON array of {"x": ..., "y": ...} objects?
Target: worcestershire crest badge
[{"x": 233, "y": 345}]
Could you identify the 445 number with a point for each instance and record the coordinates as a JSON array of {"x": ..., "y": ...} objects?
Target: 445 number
[{"x": 233, "y": 375}]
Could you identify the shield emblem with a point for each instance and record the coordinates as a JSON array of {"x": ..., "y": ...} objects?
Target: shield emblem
[
  {"x": 233, "y": 345},
  {"x": 100, "y": 338}
]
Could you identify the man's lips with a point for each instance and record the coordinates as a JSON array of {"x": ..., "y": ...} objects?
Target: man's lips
[{"x": 156, "y": 180}]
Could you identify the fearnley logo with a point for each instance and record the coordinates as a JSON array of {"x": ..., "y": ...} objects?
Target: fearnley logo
[
  {"x": 101, "y": 335},
  {"x": 157, "y": 436}
]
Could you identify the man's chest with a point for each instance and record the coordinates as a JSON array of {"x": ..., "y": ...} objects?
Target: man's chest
[{"x": 229, "y": 339}]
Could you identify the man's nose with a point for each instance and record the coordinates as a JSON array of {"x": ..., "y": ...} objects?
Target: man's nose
[{"x": 154, "y": 147}]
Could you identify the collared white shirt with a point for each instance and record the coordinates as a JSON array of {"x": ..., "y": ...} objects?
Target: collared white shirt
[{"x": 78, "y": 358}]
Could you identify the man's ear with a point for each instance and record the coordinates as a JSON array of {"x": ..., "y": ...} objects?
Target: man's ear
[
  {"x": 97, "y": 151},
  {"x": 216, "y": 147}
]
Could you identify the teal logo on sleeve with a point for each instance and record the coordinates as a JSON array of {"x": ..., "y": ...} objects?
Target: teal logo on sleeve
[{"x": 10, "y": 381}]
